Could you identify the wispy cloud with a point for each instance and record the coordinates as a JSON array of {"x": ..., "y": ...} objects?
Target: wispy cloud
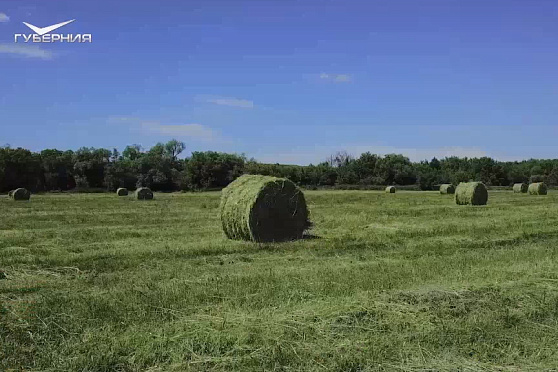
[
  {"x": 226, "y": 101},
  {"x": 336, "y": 78},
  {"x": 193, "y": 130},
  {"x": 157, "y": 128},
  {"x": 123, "y": 120},
  {"x": 4, "y": 18},
  {"x": 26, "y": 51}
]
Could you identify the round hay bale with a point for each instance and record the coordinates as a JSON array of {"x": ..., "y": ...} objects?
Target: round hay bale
[
  {"x": 20, "y": 194},
  {"x": 263, "y": 209},
  {"x": 390, "y": 189},
  {"x": 447, "y": 188},
  {"x": 143, "y": 193},
  {"x": 122, "y": 191},
  {"x": 520, "y": 188},
  {"x": 473, "y": 193},
  {"x": 537, "y": 188}
]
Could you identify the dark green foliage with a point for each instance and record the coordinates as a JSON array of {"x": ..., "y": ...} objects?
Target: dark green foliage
[
  {"x": 263, "y": 209},
  {"x": 471, "y": 193},
  {"x": 212, "y": 169},
  {"x": 58, "y": 169},
  {"x": 447, "y": 188},
  {"x": 538, "y": 188},
  {"x": 20, "y": 168},
  {"x": 160, "y": 169},
  {"x": 89, "y": 166}
]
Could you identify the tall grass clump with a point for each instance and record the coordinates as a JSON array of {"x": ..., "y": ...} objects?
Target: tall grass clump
[
  {"x": 263, "y": 209},
  {"x": 520, "y": 188},
  {"x": 390, "y": 189},
  {"x": 537, "y": 188},
  {"x": 143, "y": 193},
  {"x": 471, "y": 193},
  {"x": 447, "y": 188}
]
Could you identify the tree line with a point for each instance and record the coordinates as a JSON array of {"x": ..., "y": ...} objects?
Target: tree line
[{"x": 161, "y": 169}]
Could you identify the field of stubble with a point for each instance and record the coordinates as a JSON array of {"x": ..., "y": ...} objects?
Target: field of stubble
[{"x": 387, "y": 282}]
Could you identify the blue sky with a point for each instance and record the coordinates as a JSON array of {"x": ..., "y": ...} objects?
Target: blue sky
[{"x": 286, "y": 81}]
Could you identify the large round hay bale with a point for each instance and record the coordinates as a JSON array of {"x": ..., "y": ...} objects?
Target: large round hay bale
[
  {"x": 390, "y": 189},
  {"x": 143, "y": 193},
  {"x": 473, "y": 193},
  {"x": 520, "y": 188},
  {"x": 122, "y": 191},
  {"x": 263, "y": 209},
  {"x": 447, "y": 188},
  {"x": 537, "y": 188},
  {"x": 20, "y": 194}
]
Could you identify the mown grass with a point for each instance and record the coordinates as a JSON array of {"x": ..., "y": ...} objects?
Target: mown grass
[{"x": 405, "y": 281}]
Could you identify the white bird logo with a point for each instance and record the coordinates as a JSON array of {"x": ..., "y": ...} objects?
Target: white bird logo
[{"x": 45, "y": 30}]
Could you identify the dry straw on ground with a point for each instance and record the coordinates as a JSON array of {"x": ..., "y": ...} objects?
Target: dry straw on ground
[
  {"x": 447, "y": 188},
  {"x": 390, "y": 189},
  {"x": 538, "y": 188},
  {"x": 19, "y": 194},
  {"x": 263, "y": 209},
  {"x": 143, "y": 193},
  {"x": 520, "y": 188},
  {"x": 122, "y": 191},
  {"x": 471, "y": 193}
]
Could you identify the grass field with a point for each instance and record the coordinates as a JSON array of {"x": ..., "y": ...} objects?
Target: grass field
[{"x": 394, "y": 282}]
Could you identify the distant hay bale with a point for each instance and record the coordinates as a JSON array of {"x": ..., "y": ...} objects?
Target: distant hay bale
[
  {"x": 520, "y": 188},
  {"x": 19, "y": 194},
  {"x": 472, "y": 193},
  {"x": 537, "y": 188},
  {"x": 447, "y": 188},
  {"x": 263, "y": 209},
  {"x": 390, "y": 189},
  {"x": 122, "y": 191},
  {"x": 144, "y": 193}
]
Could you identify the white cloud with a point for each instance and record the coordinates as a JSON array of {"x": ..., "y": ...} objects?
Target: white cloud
[
  {"x": 26, "y": 51},
  {"x": 122, "y": 119},
  {"x": 155, "y": 127},
  {"x": 227, "y": 101},
  {"x": 336, "y": 78},
  {"x": 4, "y": 18},
  {"x": 194, "y": 131}
]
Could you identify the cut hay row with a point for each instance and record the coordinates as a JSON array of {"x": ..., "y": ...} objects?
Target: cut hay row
[
  {"x": 537, "y": 188},
  {"x": 471, "y": 193},
  {"x": 263, "y": 209},
  {"x": 520, "y": 188},
  {"x": 447, "y": 188},
  {"x": 390, "y": 189},
  {"x": 19, "y": 194},
  {"x": 143, "y": 193}
]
